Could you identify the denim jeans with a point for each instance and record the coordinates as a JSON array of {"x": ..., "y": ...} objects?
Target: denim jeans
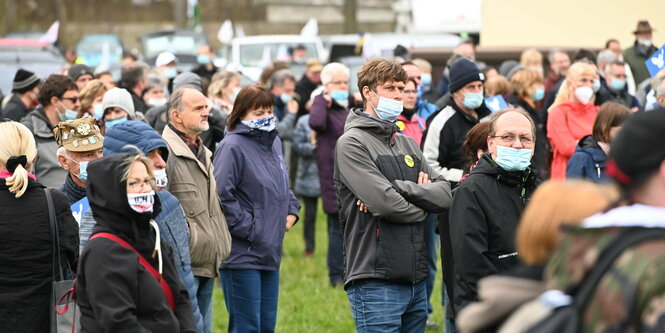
[
  {"x": 335, "y": 250},
  {"x": 384, "y": 307},
  {"x": 204, "y": 287},
  {"x": 432, "y": 244},
  {"x": 251, "y": 299}
]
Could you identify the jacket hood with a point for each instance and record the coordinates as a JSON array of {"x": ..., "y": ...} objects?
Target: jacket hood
[
  {"x": 637, "y": 215},
  {"x": 589, "y": 145},
  {"x": 107, "y": 194},
  {"x": 133, "y": 133},
  {"x": 358, "y": 118},
  {"x": 264, "y": 138},
  {"x": 40, "y": 125}
]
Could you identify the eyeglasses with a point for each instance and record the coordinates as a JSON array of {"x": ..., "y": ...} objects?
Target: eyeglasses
[
  {"x": 509, "y": 139},
  {"x": 138, "y": 184},
  {"x": 72, "y": 99},
  {"x": 413, "y": 92},
  {"x": 339, "y": 83}
]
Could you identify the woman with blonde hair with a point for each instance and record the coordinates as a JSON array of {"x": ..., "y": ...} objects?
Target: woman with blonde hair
[
  {"x": 26, "y": 259},
  {"x": 553, "y": 206},
  {"x": 571, "y": 116},
  {"x": 91, "y": 97},
  {"x": 223, "y": 89},
  {"x": 532, "y": 59},
  {"x": 498, "y": 85}
]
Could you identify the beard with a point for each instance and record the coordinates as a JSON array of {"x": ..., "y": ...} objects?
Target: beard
[{"x": 201, "y": 127}]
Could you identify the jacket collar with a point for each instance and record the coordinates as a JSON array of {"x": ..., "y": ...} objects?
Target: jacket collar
[
  {"x": 180, "y": 148},
  {"x": 264, "y": 138},
  {"x": 636, "y": 215},
  {"x": 362, "y": 120}
]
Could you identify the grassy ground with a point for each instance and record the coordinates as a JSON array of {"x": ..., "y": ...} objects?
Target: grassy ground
[{"x": 307, "y": 303}]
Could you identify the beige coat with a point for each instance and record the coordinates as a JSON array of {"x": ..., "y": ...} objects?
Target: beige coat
[{"x": 194, "y": 185}]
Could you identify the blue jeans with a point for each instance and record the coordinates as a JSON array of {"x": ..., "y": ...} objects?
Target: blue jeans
[
  {"x": 204, "y": 287},
  {"x": 335, "y": 258},
  {"x": 251, "y": 299},
  {"x": 432, "y": 244},
  {"x": 384, "y": 307}
]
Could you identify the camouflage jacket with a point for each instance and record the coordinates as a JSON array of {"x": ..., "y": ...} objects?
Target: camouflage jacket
[{"x": 632, "y": 292}]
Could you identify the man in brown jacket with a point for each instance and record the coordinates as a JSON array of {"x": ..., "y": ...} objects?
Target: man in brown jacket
[{"x": 190, "y": 173}]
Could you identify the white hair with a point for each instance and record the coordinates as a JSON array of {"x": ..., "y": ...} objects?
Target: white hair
[
  {"x": 62, "y": 151},
  {"x": 332, "y": 69},
  {"x": 605, "y": 58}
]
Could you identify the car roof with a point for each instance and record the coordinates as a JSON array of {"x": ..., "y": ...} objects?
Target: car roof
[
  {"x": 22, "y": 42},
  {"x": 262, "y": 39}
]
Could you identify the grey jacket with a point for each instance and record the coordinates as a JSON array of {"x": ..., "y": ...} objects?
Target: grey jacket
[
  {"x": 47, "y": 169},
  {"x": 307, "y": 176},
  {"x": 381, "y": 169}
]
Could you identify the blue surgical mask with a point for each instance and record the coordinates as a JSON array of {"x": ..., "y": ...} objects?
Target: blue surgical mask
[
  {"x": 203, "y": 59},
  {"x": 339, "y": 95},
  {"x": 538, "y": 95},
  {"x": 426, "y": 79},
  {"x": 170, "y": 72},
  {"x": 98, "y": 111},
  {"x": 266, "y": 124},
  {"x": 286, "y": 98},
  {"x": 473, "y": 101},
  {"x": 617, "y": 85},
  {"x": 511, "y": 159},
  {"x": 113, "y": 122},
  {"x": 388, "y": 109},
  {"x": 596, "y": 86},
  {"x": 83, "y": 170},
  {"x": 68, "y": 115}
]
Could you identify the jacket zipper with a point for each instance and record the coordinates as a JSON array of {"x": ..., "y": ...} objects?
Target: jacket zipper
[{"x": 598, "y": 170}]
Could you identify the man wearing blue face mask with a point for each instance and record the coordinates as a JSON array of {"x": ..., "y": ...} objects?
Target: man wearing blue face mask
[
  {"x": 206, "y": 68},
  {"x": 615, "y": 79},
  {"x": 487, "y": 206},
  {"x": 385, "y": 191}
]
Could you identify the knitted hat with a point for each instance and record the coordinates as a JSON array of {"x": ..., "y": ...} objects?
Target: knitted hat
[
  {"x": 462, "y": 72},
  {"x": 119, "y": 98},
  {"x": 24, "y": 81},
  {"x": 638, "y": 151},
  {"x": 79, "y": 69}
]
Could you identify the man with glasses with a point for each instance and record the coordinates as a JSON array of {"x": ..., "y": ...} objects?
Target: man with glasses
[
  {"x": 59, "y": 101},
  {"x": 487, "y": 206}
]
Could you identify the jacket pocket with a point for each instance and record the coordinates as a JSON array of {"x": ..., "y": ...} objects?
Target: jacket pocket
[
  {"x": 201, "y": 247},
  {"x": 190, "y": 198}
]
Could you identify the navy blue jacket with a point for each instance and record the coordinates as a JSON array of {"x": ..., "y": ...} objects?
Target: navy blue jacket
[
  {"x": 253, "y": 185},
  {"x": 588, "y": 161}
]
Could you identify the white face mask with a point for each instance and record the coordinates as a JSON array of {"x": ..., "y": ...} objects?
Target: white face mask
[
  {"x": 160, "y": 177},
  {"x": 584, "y": 94},
  {"x": 141, "y": 202},
  {"x": 157, "y": 101},
  {"x": 646, "y": 43}
]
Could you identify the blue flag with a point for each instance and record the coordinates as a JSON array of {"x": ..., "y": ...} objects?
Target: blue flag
[
  {"x": 657, "y": 62},
  {"x": 496, "y": 103},
  {"x": 79, "y": 208}
]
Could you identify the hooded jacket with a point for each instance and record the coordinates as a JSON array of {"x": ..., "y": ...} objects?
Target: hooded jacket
[
  {"x": 47, "y": 169},
  {"x": 114, "y": 292},
  {"x": 484, "y": 215},
  {"x": 380, "y": 168},
  {"x": 588, "y": 162},
  {"x": 253, "y": 186}
]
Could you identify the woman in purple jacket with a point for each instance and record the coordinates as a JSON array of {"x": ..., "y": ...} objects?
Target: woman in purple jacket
[
  {"x": 253, "y": 187},
  {"x": 327, "y": 118}
]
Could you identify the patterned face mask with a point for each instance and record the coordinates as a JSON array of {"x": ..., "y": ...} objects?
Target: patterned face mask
[{"x": 266, "y": 124}]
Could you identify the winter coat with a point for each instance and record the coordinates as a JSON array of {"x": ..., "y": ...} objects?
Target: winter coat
[
  {"x": 412, "y": 128},
  {"x": 253, "y": 186},
  {"x": 426, "y": 109},
  {"x": 636, "y": 58},
  {"x": 25, "y": 256},
  {"x": 380, "y": 168},
  {"x": 328, "y": 122},
  {"x": 193, "y": 183},
  {"x": 47, "y": 169},
  {"x": 567, "y": 123},
  {"x": 445, "y": 134},
  {"x": 115, "y": 292},
  {"x": 484, "y": 215},
  {"x": 543, "y": 149},
  {"x": 15, "y": 109},
  {"x": 304, "y": 89},
  {"x": 307, "y": 176},
  {"x": 74, "y": 192},
  {"x": 588, "y": 161}
]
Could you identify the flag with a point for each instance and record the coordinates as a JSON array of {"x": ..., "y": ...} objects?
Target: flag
[
  {"x": 225, "y": 33},
  {"x": 194, "y": 15},
  {"x": 51, "y": 35}
]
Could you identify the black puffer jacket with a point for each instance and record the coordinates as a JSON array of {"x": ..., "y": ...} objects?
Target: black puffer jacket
[
  {"x": 484, "y": 216},
  {"x": 115, "y": 293},
  {"x": 25, "y": 255}
]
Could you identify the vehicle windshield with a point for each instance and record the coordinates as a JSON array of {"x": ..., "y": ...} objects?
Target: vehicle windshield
[
  {"x": 177, "y": 44},
  {"x": 96, "y": 46},
  {"x": 252, "y": 55}
]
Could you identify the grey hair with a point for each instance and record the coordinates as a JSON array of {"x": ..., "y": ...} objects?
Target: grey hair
[
  {"x": 332, "y": 69},
  {"x": 660, "y": 87},
  {"x": 552, "y": 52},
  {"x": 175, "y": 101},
  {"x": 279, "y": 77},
  {"x": 62, "y": 151},
  {"x": 153, "y": 80},
  {"x": 606, "y": 57}
]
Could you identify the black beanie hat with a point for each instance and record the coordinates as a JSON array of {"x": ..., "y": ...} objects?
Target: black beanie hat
[
  {"x": 638, "y": 150},
  {"x": 24, "y": 81},
  {"x": 462, "y": 72}
]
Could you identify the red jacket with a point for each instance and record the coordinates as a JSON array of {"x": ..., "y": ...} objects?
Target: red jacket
[
  {"x": 567, "y": 123},
  {"x": 413, "y": 128}
]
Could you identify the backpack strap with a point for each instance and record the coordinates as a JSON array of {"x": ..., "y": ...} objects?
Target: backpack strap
[{"x": 168, "y": 293}]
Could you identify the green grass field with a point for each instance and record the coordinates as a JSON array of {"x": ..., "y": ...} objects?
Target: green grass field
[{"x": 307, "y": 302}]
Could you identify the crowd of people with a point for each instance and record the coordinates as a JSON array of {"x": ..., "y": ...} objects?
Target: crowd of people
[{"x": 168, "y": 181}]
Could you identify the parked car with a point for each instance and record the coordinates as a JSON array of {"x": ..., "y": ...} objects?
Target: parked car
[
  {"x": 41, "y": 58},
  {"x": 92, "y": 49},
  {"x": 184, "y": 44}
]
